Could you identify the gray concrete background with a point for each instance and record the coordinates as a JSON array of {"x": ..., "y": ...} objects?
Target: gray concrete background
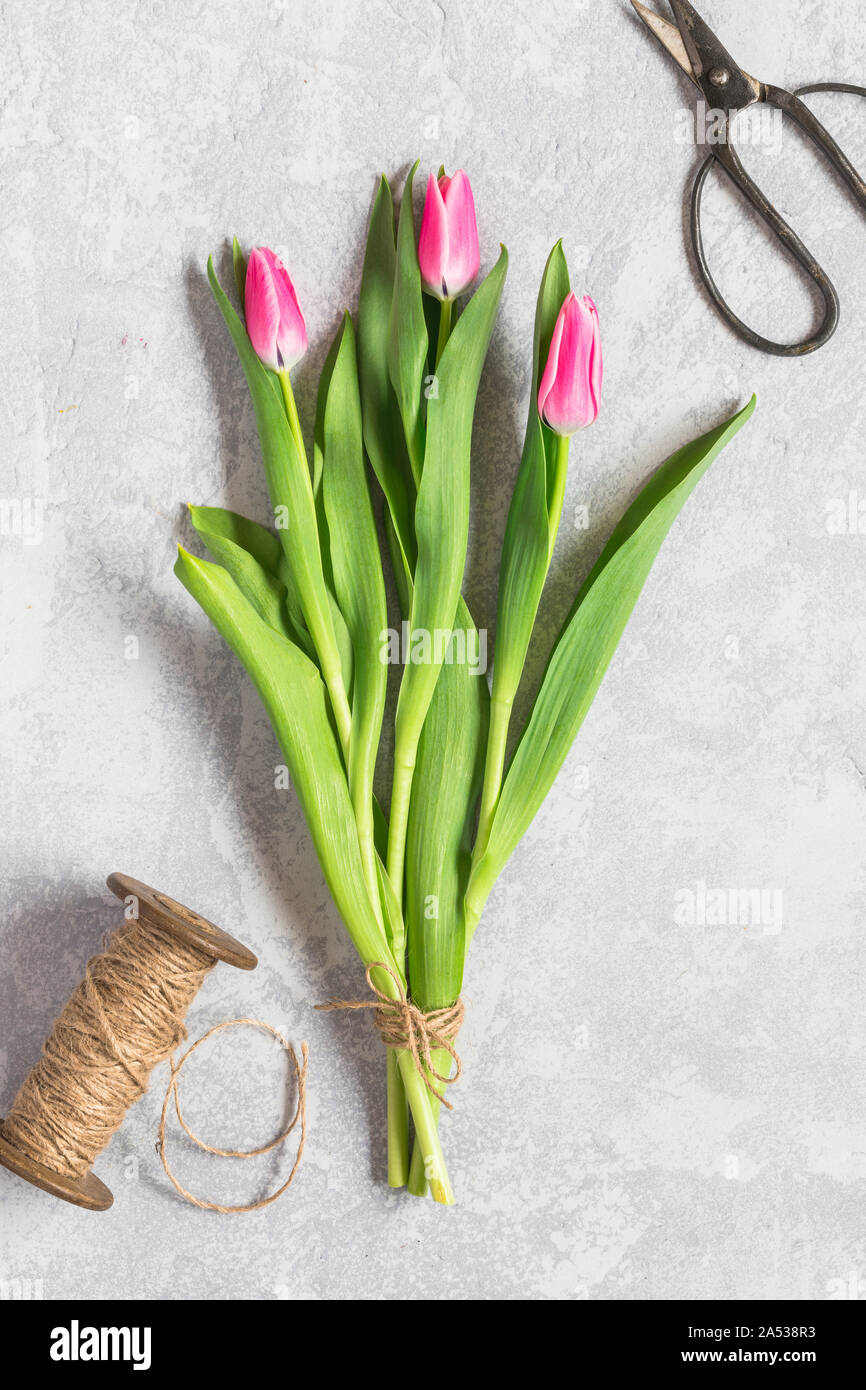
[{"x": 654, "y": 1104}]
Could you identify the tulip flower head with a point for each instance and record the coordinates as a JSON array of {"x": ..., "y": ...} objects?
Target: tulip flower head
[
  {"x": 275, "y": 323},
  {"x": 448, "y": 246},
  {"x": 570, "y": 392}
]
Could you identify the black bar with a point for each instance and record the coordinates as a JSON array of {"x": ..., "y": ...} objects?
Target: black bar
[{"x": 59, "y": 1338}]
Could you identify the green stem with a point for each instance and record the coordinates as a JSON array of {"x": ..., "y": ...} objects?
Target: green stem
[
  {"x": 417, "y": 1178},
  {"x": 364, "y": 821},
  {"x": 398, "y": 1130},
  {"x": 398, "y": 1125},
  {"x": 557, "y": 492},
  {"x": 292, "y": 414},
  {"x": 444, "y": 328},
  {"x": 399, "y": 1099},
  {"x": 473, "y": 906},
  {"x": 421, "y": 1102},
  {"x": 401, "y": 794},
  {"x": 427, "y": 1153},
  {"x": 333, "y": 677}
]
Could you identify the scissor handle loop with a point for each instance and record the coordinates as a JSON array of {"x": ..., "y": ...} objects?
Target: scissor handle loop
[{"x": 726, "y": 155}]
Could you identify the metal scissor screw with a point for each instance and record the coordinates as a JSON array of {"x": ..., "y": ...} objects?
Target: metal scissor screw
[{"x": 720, "y": 77}]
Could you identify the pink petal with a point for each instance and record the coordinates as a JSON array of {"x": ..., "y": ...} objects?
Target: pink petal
[
  {"x": 464, "y": 257},
  {"x": 595, "y": 375},
  {"x": 549, "y": 375},
  {"x": 433, "y": 241},
  {"x": 261, "y": 309},
  {"x": 569, "y": 396},
  {"x": 292, "y": 332}
]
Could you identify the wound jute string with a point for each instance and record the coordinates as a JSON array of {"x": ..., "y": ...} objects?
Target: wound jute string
[
  {"x": 125, "y": 1017},
  {"x": 402, "y": 1025}
]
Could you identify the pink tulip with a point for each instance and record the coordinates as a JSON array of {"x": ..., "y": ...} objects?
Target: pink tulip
[
  {"x": 274, "y": 319},
  {"x": 570, "y": 392},
  {"x": 448, "y": 246}
]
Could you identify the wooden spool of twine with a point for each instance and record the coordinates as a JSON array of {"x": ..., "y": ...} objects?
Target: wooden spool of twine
[{"x": 124, "y": 1017}]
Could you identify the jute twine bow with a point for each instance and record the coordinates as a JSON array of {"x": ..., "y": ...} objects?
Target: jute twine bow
[{"x": 405, "y": 1027}]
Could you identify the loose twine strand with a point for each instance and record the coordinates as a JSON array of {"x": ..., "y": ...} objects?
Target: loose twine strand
[
  {"x": 405, "y": 1027},
  {"x": 124, "y": 1017},
  {"x": 300, "y": 1114}
]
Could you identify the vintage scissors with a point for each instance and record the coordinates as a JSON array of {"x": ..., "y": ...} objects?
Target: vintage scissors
[{"x": 693, "y": 45}]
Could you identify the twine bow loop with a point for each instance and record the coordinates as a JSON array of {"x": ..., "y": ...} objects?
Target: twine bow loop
[{"x": 403, "y": 1026}]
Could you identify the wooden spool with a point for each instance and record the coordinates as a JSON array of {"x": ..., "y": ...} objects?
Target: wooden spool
[{"x": 174, "y": 920}]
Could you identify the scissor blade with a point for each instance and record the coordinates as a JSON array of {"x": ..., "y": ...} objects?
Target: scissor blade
[
  {"x": 693, "y": 31},
  {"x": 708, "y": 55},
  {"x": 668, "y": 36}
]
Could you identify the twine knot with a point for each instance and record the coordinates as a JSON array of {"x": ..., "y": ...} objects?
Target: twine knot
[{"x": 403, "y": 1026}]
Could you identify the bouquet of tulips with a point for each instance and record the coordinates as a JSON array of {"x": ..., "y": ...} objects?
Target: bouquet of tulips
[{"x": 303, "y": 605}]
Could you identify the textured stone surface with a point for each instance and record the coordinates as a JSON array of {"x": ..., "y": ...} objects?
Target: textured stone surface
[{"x": 652, "y": 1106}]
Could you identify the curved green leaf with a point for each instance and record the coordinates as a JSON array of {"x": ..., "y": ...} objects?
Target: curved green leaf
[
  {"x": 239, "y": 265},
  {"x": 291, "y": 489},
  {"x": 357, "y": 569},
  {"x": 383, "y": 428},
  {"x": 262, "y": 590},
  {"x": 407, "y": 346},
  {"x": 319, "y": 436},
  {"x": 585, "y": 647},
  {"x": 441, "y": 815},
  {"x": 256, "y": 539},
  {"x": 218, "y": 526},
  {"x": 528, "y": 540},
  {"x": 294, "y": 696},
  {"x": 442, "y": 508},
  {"x": 257, "y": 581}
]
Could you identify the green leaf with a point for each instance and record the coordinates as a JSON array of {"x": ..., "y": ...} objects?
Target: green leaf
[
  {"x": 554, "y": 289},
  {"x": 341, "y": 632},
  {"x": 585, "y": 647},
  {"x": 343, "y": 639},
  {"x": 407, "y": 347},
  {"x": 319, "y": 428},
  {"x": 528, "y": 542},
  {"x": 239, "y": 265},
  {"x": 262, "y": 590},
  {"x": 292, "y": 692},
  {"x": 225, "y": 533},
  {"x": 261, "y": 543},
  {"x": 383, "y": 427},
  {"x": 357, "y": 571},
  {"x": 400, "y": 568},
  {"x": 442, "y": 508},
  {"x": 444, "y": 792},
  {"x": 380, "y": 829},
  {"x": 264, "y": 546},
  {"x": 291, "y": 489}
]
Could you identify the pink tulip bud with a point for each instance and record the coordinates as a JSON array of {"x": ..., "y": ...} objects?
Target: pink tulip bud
[
  {"x": 570, "y": 392},
  {"x": 448, "y": 246},
  {"x": 274, "y": 319}
]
